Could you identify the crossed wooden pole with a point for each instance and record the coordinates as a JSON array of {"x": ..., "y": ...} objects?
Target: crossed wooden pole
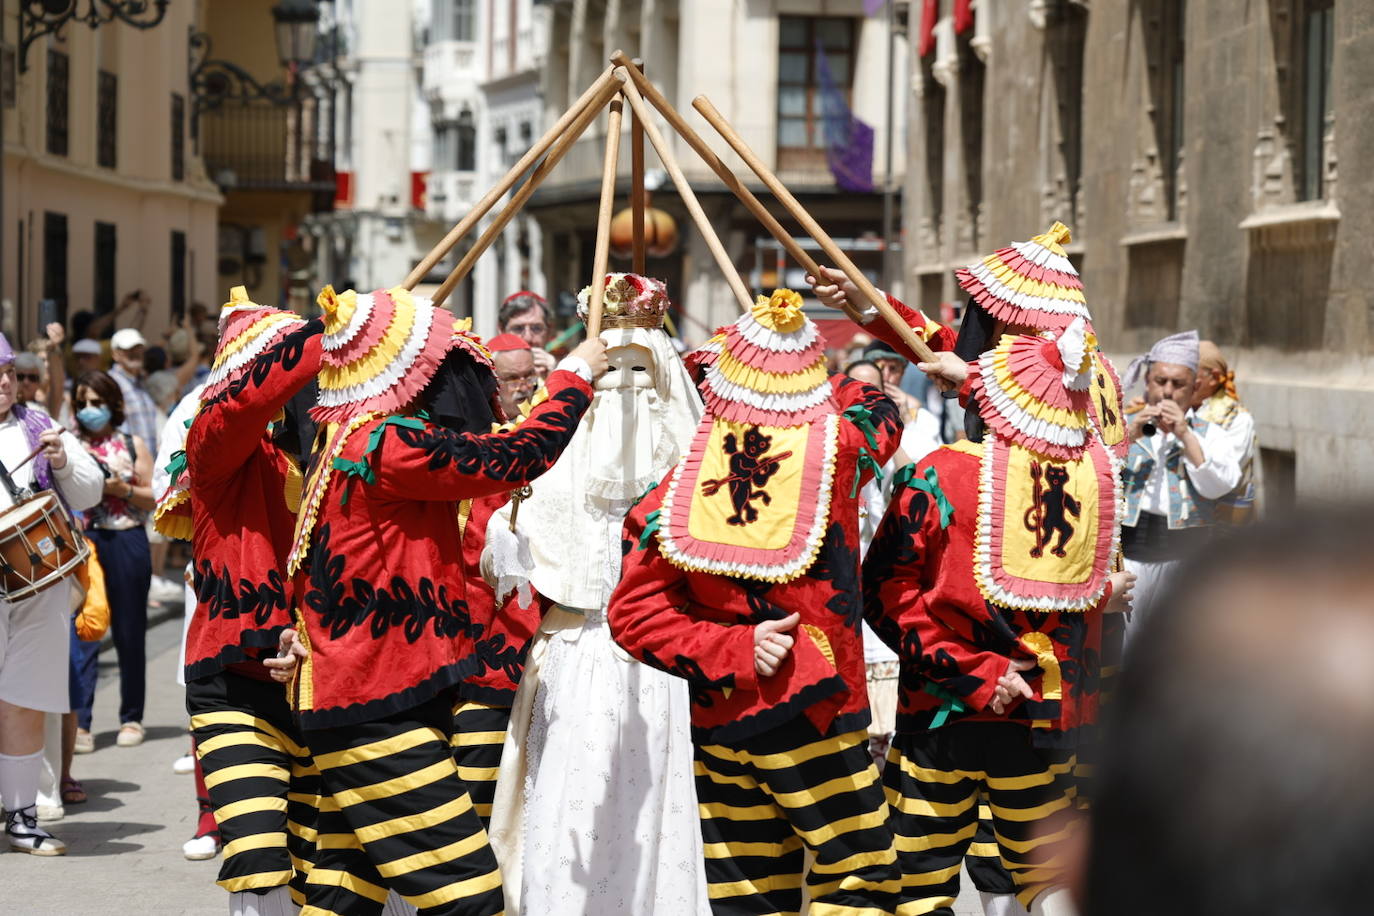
[{"x": 623, "y": 83}]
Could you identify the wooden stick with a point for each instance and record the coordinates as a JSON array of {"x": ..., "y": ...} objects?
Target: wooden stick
[
  {"x": 603, "y": 221},
  {"x": 32, "y": 455},
  {"x": 518, "y": 200},
  {"x": 480, "y": 209},
  {"x": 694, "y": 140},
  {"x": 832, "y": 251},
  {"x": 727, "y": 267},
  {"x": 637, "y": 196}
]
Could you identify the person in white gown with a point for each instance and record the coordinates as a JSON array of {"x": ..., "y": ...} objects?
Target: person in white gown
[{"x": 595, "y": 809}]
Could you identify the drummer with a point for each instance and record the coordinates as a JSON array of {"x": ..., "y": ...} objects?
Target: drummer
[{"x": 34, "y": 631}]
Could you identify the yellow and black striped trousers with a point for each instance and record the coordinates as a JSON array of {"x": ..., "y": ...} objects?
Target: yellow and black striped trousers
[
  {"x": 262, "y": 781},
  {"x": 934, "y": 781},
  {"x": 984, "y": 859},
  {"x": 395, "y": 814},
  {"x": 765, "y": 798},
  {"x": 479, "y": 734}
]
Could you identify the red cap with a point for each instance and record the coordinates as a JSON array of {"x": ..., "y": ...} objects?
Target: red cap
[
  {"x": 504, "y": 343},
  {"x": 524, "y": 292}
]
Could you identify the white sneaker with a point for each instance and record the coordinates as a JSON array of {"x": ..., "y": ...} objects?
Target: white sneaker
[
  {"x": 161, "y": 589},
  {"x": 184, "y": 765},
  {"x": 201, "y": 847},
  {"x": 24, "y": 834}
]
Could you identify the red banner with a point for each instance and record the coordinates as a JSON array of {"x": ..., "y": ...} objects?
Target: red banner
[
  {"x": 963, "y": 16},
  {"x": 343, "y": 190},
  {"x": 930, "y": 14},
  {"x": 419, "y": 189}
]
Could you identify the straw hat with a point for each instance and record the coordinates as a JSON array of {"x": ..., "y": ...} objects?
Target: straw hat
[
  {"x": 380, "y": 350},
  {"x": 1033, "y": 391},
  {"x": 1029, "y": 283},
  {"x": 768, "y": 367},
  {"x": 246, "y": 330}
]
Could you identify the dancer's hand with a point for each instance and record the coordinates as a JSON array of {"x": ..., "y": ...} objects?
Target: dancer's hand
[
  {"x": 1123, "y": 593},
  {"x": 289, "y": 650},
  {"x": 772, "y": 645},
  {"x": 544, "y": 361},
  {"x": 948, "y": 371},
  {"x": 593, "y": 353},
  {"x": 1011, "y": 685},
  {"x": 834, "y": 289}
]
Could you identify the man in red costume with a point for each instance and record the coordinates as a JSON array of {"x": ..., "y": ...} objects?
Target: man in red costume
[
  {"x": 243, "y": 479},
  {"x": 384, "y": 614},
  {"x": 740, "y": 574},
  {"x": 989, "y": 575}
]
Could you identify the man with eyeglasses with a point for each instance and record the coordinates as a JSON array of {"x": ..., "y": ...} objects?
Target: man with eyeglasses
[
  {"x": 517, "y": 377},
  {"x": 127, "y": 347},
  {"x": 28, "y": 376},
  {"x": 527, "y": 315}
]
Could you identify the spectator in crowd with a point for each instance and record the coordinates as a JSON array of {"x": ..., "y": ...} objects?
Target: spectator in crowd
[
  {"x": 34, "y": 631},
  {"x": 116, "y": 527},
  {"x": 54, "y": 395},
  {"x": 87, "y": 356},
  {"x": 516, "y": 376},
  {"x": 528, "y": 316},
  {"x": 1215, "y": 400},
  {"x": 30, "y": 381},
  {"x": 127, "y": 346},
  {"x": 1236, "y": 754}
]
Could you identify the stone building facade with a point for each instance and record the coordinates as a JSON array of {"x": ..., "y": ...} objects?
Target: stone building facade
[{"x": 1213, "y": 159}]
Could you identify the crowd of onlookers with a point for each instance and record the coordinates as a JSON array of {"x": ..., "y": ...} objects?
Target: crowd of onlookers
[{"x": 111, "y": 386}]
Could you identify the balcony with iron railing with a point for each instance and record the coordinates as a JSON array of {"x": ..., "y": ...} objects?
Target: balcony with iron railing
[{"x": 258, "y": 146}]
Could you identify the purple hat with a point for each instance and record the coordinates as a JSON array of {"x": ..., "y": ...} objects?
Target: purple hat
[{"x": 6, "y": 352}]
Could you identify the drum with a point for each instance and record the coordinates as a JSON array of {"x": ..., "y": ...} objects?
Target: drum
[{"x": 39, "y": 546}]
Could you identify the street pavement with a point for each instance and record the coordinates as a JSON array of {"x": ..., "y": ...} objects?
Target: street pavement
[{"x": 124, "y": 845}]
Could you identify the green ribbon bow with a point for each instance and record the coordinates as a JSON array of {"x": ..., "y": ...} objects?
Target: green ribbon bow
[
  {"x": 951, "y": 704},
  {"x": 362, "y": 468},
  {"x": 177, "y": 466},
  {"x": 862, "y": 417},
  {"x": 929, "y": 483},
  {"x": 651, "y": 525}
]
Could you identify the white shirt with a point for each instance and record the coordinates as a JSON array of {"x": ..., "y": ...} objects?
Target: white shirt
[
  {"x": 172, "y": 439},
  {"x": 80, "y": 480},
  {"x": 1218, "y": 474}
]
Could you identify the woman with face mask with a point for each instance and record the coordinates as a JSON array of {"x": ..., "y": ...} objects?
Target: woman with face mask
[{"x": 115, "y": 528}]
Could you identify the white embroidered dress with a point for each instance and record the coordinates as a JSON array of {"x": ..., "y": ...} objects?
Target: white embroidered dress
[{"x": 595, "y": 809}]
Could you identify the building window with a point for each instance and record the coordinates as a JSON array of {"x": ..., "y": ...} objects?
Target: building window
[
  {"x": 55, "y": 259},
  {"x": 933, "y": 129},
  {"x": 465, "y": 158},
  {"x": 1165, "y": 31},
  {"x": 178, "y": 137},
  {"x": 1062, "y": 130},
  {"x": 104, "y": 268},
  {"x": 972, "y": 91},
  {"x": 178, "y": 298},
  {"x": 58, "y": 95},
  {"x": 107, "y": 119},
  {"x": 801, "y": 128},
  {"x": 464, "y": 20},
  {"x": 1318, "y": 17}
]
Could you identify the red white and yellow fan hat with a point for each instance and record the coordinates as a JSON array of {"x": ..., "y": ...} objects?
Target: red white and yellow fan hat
[
  {"x": 246, "y": 330},
  {"x": 769, "y": 367},
  {"x": 1029, "y": 283},
  {"x": 380, "y": 350},
  {"x": 1034, "y": 391}
]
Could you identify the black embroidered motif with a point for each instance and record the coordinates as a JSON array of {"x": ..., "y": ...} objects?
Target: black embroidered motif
[
  {"x": 287, "y": 351},
  {"x": 515, "y": 457},
  {"x": 399, "y": 604},
  {"x": 699, "y": 686},
  {"x": 1047, "y": 514},
  {"x": 1105, "y": 409},
  {"x": 750, "y": 471},
  {"x": 838, "y": 563},
  {"x": 496, "y": 654},
  {"x": 254, "y": 600},
  {"x": 894, "y": 543},
  {"x": 1081, "y": 669}
]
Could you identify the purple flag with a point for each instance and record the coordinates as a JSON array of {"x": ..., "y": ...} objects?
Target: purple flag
[
  {"x": 871, "y": 7},
  {"x": 848, "y": 141}
]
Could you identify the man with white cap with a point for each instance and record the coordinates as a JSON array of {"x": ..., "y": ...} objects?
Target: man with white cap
[
  {"x": 140, "y": 412},
  {"x": 1177, "y": 466},
  {"x": 35, "y": 631}
]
